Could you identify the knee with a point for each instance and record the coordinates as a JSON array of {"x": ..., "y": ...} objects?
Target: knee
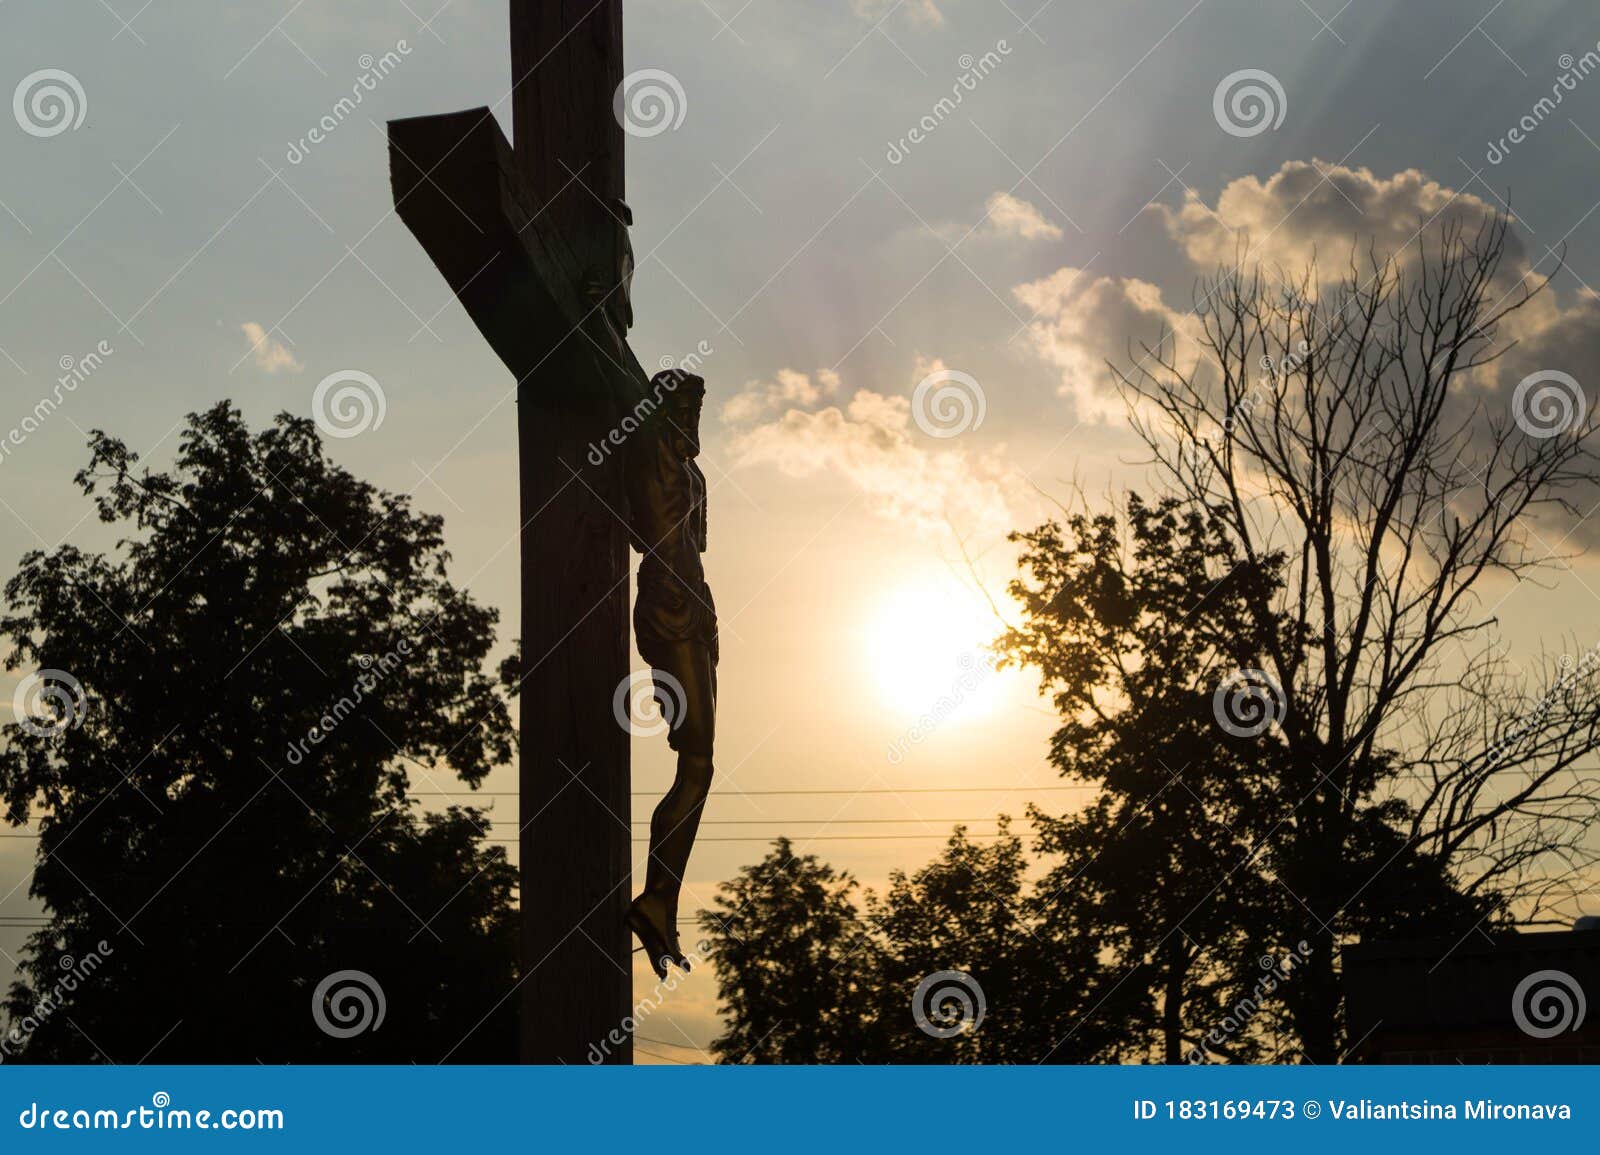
[{"x": 695, "y": 771}]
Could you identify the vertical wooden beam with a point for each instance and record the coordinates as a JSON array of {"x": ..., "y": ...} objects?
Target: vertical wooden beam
[
  {"x": 566, "y": 64},
  {"x": 576, "y": 844}
]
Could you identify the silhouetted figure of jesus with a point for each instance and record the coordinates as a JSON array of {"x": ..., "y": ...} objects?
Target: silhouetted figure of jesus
[{"x": 675, "y": 624}]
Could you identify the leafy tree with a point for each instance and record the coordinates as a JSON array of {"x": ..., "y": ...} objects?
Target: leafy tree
[
  {"x": 788, "y": 945},
  {"x": 220, "y": 779},
  {"x": 973, "y": 911},
  {"x": 1140, "y": 628},
  {"x": 1126, "y": 620},
  {"x": 809, "y": 975}
]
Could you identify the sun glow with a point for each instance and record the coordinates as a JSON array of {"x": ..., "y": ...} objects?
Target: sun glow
[{"x": 927, "y": 652}]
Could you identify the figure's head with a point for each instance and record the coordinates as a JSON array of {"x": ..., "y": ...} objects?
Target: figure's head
[{"x": 682, "y": 395}]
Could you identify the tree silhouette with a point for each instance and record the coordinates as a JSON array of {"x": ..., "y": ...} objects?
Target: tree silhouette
[
  {"x": 1344, "y": 424},
  {"x": 222, "y": 787},
  {"x": 1140, "y": 629},
  {"x": 973, "y": 911},
  {"x": 790, "y": 951},
  {"x": 809, "y": 975}
]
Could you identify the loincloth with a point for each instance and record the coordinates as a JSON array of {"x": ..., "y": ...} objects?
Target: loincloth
[{"x": 671, "y": 609}]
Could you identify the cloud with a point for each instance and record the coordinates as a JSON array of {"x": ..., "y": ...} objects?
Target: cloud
[
  {"x": 270, "y": 356},
  {"x": 1080, "y": 321},
  {"x": 923, "y": 12},
  {"x": 1310, "y": 210},
  {"x": 788, "y": 388},
  {"x": 873, "y": 444},
  {"x": 1009, "y": 214},
  {"x": 1305, "y": 211}
]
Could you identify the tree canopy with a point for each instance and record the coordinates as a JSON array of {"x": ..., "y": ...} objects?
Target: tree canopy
[{"x": 231, "y": 709}]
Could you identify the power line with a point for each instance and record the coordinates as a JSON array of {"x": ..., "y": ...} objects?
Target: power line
[
  {"x": 1021, "y": 789},
  {"x": 807, "y": 838},
  {"x": 773, "y": 793},
  {"x": 824, "y": 821},
  {"x": 665, "y": 1043},
  {"x": 665, "y": 1058},
  {"x": 742, "y": 838}
]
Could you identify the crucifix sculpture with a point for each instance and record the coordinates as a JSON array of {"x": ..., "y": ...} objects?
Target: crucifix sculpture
[{"x": 533, "y": 241}]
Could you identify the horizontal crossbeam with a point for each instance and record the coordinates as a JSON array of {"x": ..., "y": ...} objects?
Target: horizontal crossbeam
[{"x": 458, "y": 189}]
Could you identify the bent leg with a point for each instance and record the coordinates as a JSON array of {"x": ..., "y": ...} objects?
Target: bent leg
[{"x": 676, "y": 820}]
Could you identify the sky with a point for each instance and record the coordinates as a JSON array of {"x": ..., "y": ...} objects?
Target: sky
[{"x": 853, "y": 198}]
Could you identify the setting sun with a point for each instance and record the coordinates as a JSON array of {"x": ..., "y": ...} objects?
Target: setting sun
[{"x": 929, "y": 642}]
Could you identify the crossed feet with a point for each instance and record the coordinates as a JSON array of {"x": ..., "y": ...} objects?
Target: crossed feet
[{"x": 655, "y": 922}]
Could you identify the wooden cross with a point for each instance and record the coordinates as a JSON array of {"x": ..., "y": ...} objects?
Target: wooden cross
[{"x": 532, "y": 240}]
